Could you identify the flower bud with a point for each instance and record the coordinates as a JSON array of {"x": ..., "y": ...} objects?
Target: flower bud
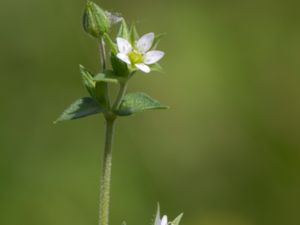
[{"x": 95, "y": 20}]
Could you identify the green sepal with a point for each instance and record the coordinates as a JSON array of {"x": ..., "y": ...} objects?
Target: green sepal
[
  {"x": 156, "y": 67},
  {"x": 138, "y": 102},
  {"x": 133, "y": 34},
  {"x": 97, "y": 90},
  {"x": 177, "y": 220},
  {"x": 120, "y": 68},
  {"x": 112, "y": 45},
  {"x": 157, "y": 39},
  {"x": 80, "y": 108},
  {"x": 124, "y": 223},
  {"x": 95, "y": 21},
  {"x": 123, "y": 30}
]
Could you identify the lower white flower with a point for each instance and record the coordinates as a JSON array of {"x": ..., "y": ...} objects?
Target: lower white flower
[
  {"x": 139, "y": 55},
  {"x": 163, "y": 221},
  {"x": 158, "y": 220}
]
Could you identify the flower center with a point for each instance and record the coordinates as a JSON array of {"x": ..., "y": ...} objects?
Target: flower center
[{"x": 135, "y": 57}]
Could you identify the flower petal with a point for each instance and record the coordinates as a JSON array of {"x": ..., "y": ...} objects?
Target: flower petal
[
  {"x": 157, "y": 217},
  {"x": 123, "y": 45},
  {"x": 153, "y": 56},
  {"x": 124, "y": 58},
  {"x": 143, "y": 67},
  {"x": 164, "y": 220},
  {"x": 145, "y": 42}
]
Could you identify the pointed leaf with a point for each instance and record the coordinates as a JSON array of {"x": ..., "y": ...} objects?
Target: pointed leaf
[
  {"x": 176, "y": 221},
  {"x": 138, "y": 102},
  {"x": 107, "y": 77},
  {"x": 96, "y": 89},
  {"x": 80, "y": 108}
]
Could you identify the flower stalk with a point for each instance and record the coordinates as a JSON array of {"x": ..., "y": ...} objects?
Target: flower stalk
[{"x": 102, "y": 51}]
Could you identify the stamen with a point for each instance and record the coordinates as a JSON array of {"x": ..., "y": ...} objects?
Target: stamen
[{"x": 135, "y": 57}]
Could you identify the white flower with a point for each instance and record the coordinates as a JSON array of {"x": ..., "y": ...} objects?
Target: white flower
[
  {"x": 163, "y": 221},
  {"x": 139, "y": 55},
  {"x": 158, "y": 220}
]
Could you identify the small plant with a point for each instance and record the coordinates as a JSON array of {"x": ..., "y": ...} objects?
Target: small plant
[{"x": 127, "y": 53}]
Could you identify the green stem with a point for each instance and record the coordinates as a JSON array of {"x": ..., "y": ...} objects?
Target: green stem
[
  {"x": 106, "y": 172},
  {"x": 107, "y": 159},
  {"x": 102, "y": 52},
  {"x": 121, "y": 94},
  {"x": 101, "y": 45}
]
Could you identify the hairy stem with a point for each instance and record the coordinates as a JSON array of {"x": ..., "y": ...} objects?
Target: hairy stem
[
  {"x": 106, "y": 172},
  {"x": 107, "y": 159}
]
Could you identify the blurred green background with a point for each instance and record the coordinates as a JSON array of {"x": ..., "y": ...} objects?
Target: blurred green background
[{"x": 226, "y": 153}]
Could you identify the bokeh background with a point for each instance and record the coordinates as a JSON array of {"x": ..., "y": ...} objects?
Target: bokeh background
[{"x": 226, "y": 153}]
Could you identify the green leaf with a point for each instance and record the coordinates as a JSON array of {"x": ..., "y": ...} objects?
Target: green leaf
[
  {"x": 80, "y": 108},
  {"x": 107, "y": 77},
  {"x": 176, "y": 221},
  {"x": 138, "y": 102},
  {"x": 88, "y": 81},
  {"x": 96, "y": 89}
]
